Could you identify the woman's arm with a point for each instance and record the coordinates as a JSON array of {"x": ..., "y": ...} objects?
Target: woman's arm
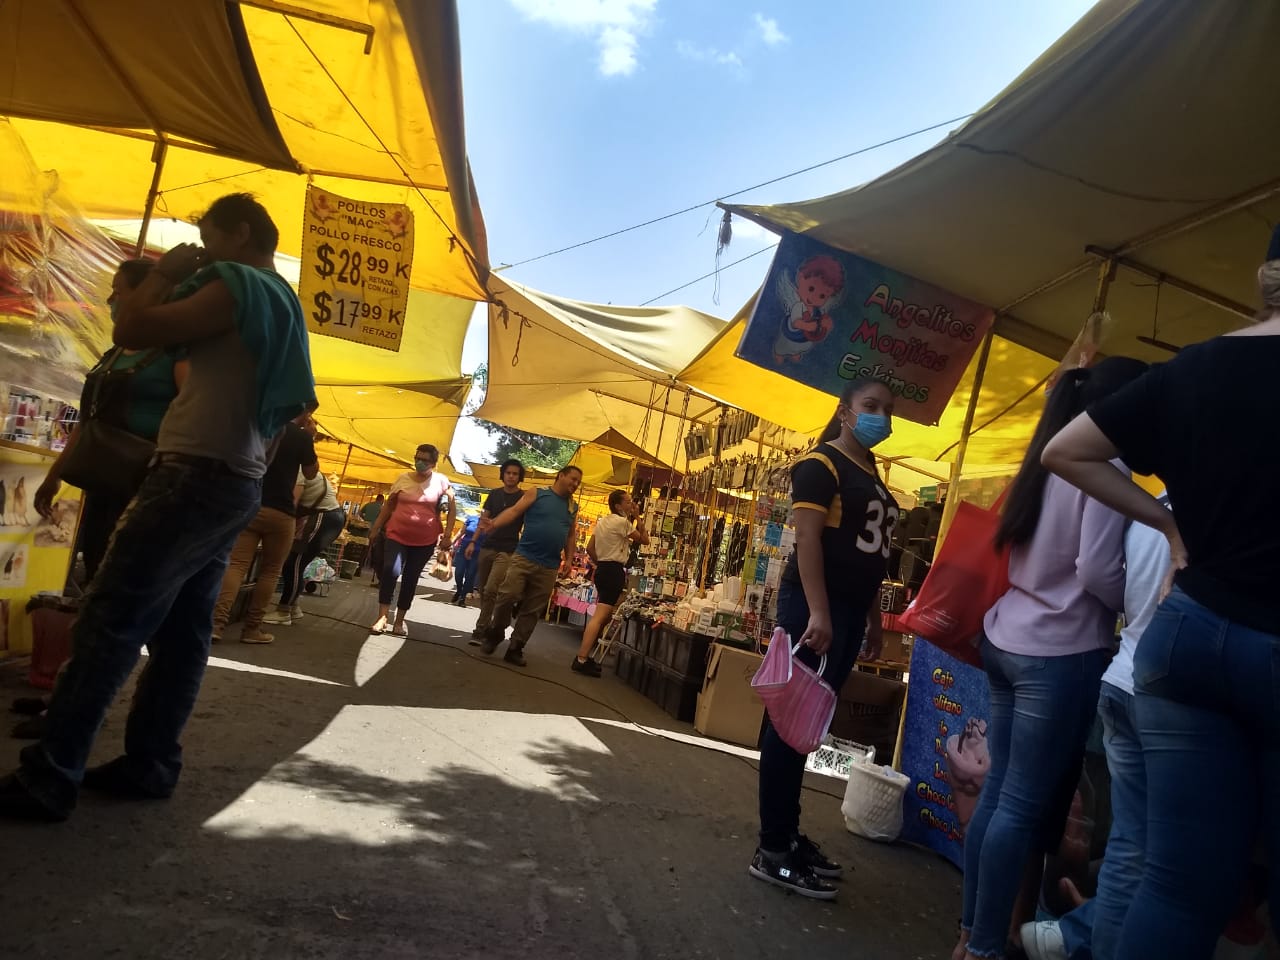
[
  {"x": 1081, "y": 454},
  {"x": 591, "y": 548},
  {"x": 873, "y": 645},
  {"x": 53, "y": 479},
  {"x": 181, "y": 368},
  {"x": 452, "y": 511},
  {"x": 639, "y": 535},
  {"x": 809, "y": 558},
  {"x": 384, "y": 515}
]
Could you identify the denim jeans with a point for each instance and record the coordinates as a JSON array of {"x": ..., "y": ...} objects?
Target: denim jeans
[
  {"x": 1093, "y": 930},
  {"x": 781, "y": 767},
  {"x": 1041, "y": 712},
  {"x": 328, "y": 527},
  {"x": 156, "y": 586},
  {"x": 1208, "y": 708},
  {"x": 403, "y": 563}
]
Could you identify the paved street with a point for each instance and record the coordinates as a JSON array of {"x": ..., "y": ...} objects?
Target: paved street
[{"x": 348, "y": 797}]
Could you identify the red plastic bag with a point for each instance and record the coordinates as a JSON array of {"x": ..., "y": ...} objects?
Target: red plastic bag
[
  {"x": 966, "y": 579},
  {"x": 800, "y": 703}
]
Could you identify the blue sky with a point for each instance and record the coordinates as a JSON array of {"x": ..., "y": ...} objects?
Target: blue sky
[{"x": 586, "y": 116}]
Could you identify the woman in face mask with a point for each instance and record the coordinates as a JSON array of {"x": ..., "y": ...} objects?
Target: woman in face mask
[
  {"x": 411, "y": 518},
  {"x": 130, "y": 390},
  {"x": 827, "y": 599},
  {"x": 1045, "y": 646}
]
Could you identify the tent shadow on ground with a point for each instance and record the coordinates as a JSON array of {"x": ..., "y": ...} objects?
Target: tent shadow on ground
[{"x": 443, "y": 809}]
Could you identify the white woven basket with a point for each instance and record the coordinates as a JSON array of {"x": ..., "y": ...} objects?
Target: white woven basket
[{"x": 873, "y": 801}]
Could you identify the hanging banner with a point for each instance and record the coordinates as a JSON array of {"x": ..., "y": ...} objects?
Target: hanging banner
[
  {"x": 825, "y": 317},
  {"x": 944, "y": 749},
  {"x": 356, "y": 259}
]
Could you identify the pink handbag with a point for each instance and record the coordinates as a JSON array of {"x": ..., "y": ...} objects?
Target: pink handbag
[{"x": 800, "y": 703}]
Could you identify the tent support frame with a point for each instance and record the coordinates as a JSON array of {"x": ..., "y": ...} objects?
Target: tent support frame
[{"x": 953, "y": 492}]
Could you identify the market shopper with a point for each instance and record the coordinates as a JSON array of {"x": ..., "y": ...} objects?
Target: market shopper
[
  {"x": 546, "y": 546},
  {"x": 466, "y": 564},
  {"x": 609, "y": 548},
  {"x": 244, "y": 335},
  {"x": 1045, "y": 645},
  {"x": 1205, "y": 671},
  {"x": 410, "y": 522},
  {"x": 1093, "y": 929},
  {"x": 499, "y": 545},
  {"x": 130, "y": 391},
  {"x": 320, "y": 519},
  {"x": 369, "y": 512},
  {"x": 272, "y": 529},
  {"x": 844, "y": 519}
]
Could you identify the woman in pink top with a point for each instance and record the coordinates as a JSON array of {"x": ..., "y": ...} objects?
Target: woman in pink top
[
  {"x": 1046, "y": 644},
  {"x": 411, "y": 516}
]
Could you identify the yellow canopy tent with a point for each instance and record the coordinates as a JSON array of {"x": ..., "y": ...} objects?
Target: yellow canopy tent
[
  {"x": 593, "y": 372},
  {"x": 361, "y": 97},
  {"x": 1143, "y": 140}
]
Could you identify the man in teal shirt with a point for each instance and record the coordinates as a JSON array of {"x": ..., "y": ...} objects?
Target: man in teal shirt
[{"x": 546, "y": 546}]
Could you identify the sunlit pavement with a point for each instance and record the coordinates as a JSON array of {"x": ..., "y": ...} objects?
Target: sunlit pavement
[{"x": 348, "y": 796}]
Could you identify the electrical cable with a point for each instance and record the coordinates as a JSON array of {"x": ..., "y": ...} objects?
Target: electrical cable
[
  {"x": 736, "y": 193},
  {"x": 707, "y": 276},
  {"x": 497, "y": 664}
]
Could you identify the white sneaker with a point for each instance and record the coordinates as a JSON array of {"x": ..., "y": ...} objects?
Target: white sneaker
[
  {"x": 1043, "y": 941},
  {"x": 278, "y": 617},
  {"x": 296, "y": 612}
]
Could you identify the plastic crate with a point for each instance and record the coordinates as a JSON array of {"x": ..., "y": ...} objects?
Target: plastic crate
[
  {"x": 628, "y": 664},
  {"x": 678, "y": 695},
  {"x": 836, "y": 756},
  {"x": 687, "y": 654},
  {"x": 660, "y": 643}
]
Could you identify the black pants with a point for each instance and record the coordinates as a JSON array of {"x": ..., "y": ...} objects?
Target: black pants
[
  {"x": 782, "y": 768},
  {"x": 98, "y": 519}
]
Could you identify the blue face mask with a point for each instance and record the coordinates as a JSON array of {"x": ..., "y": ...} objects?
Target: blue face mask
[
  {"x": 422, "y": 466},
  {"x": 870, "y": 429}
]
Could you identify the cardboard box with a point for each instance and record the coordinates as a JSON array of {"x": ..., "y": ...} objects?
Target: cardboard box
[
  {"x": 868, "y": 711},
  {"x": 897, "y": 647},
  {"x": 728, "y": 708}
]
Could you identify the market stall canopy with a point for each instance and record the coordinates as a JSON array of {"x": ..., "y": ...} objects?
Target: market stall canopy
[
  {"x": 356, "y": 465},
  {"x": 584, "y": 371},
  {"x": 1009, "y": 404},
  {"x": 1148, "y": 133},
  {"x": 361, "y": 97}
]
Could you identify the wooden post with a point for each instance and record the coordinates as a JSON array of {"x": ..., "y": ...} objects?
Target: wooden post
[{"x": 157, "y": 156}]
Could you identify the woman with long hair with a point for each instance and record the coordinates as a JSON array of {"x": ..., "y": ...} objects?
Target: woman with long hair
[
  {"x": 1207, "y": 670},
  {"x": 844, "y": 519},
  {"x": 609, "y": 549},
  {"x": 1045, "y": 646},
  {"x": 412, "y": 525}
]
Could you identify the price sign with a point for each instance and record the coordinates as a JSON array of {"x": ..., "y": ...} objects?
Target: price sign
[{"x": 356, "y": 260}]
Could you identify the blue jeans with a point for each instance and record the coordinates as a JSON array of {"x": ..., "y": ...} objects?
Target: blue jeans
[
  {"x": 1208, "y": 707},
  {"x": 157, "y": 586},
  {"x": 781, "y": 767},
  {"x": 1093, "y": 930},
  {"x": 403, "y": 563},
  {"x": 1041, "y": 712}
]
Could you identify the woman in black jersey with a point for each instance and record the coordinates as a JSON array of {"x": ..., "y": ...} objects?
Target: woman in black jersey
[
  {"x": 1207, "y": 670},
  {"x": 844, "y": 517}
]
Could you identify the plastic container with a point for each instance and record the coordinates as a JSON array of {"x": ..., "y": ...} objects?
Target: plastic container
[
  {"x": 687, "y": 654},
  {"x": 51, "y": 621},
  {"x": 835, "y": 757},
  {"x": 873, "y": 801}
]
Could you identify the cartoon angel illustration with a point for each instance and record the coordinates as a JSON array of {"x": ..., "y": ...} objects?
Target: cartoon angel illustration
[
  {"x": 321, "y": 208},
  {"x": 809, "y": 300}
]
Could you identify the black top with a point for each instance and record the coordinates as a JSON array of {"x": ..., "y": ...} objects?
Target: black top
[
  {"x": 860, "y": 514},
  {"x": 294, "y": 452},
  {"x": 1202, "y": 423},
  {"x": 504, "y": 539}
]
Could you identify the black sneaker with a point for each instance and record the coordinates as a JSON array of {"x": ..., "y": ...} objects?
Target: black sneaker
[
  {"x": 791, "y": 873},
  {"x": 515, "y": 658},
  {"x": 492, "y": 640},
  {"x": 118, "y": 779},
  {"x": 586, "y": 667},
  {"x": 817, "y": 861}
]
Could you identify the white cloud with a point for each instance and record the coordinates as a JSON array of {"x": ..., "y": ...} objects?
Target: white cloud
[
  {"x": 616, "y": 26},
  {"x": 770, "y": 32},
  {"x": 707, "y": 54}
]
